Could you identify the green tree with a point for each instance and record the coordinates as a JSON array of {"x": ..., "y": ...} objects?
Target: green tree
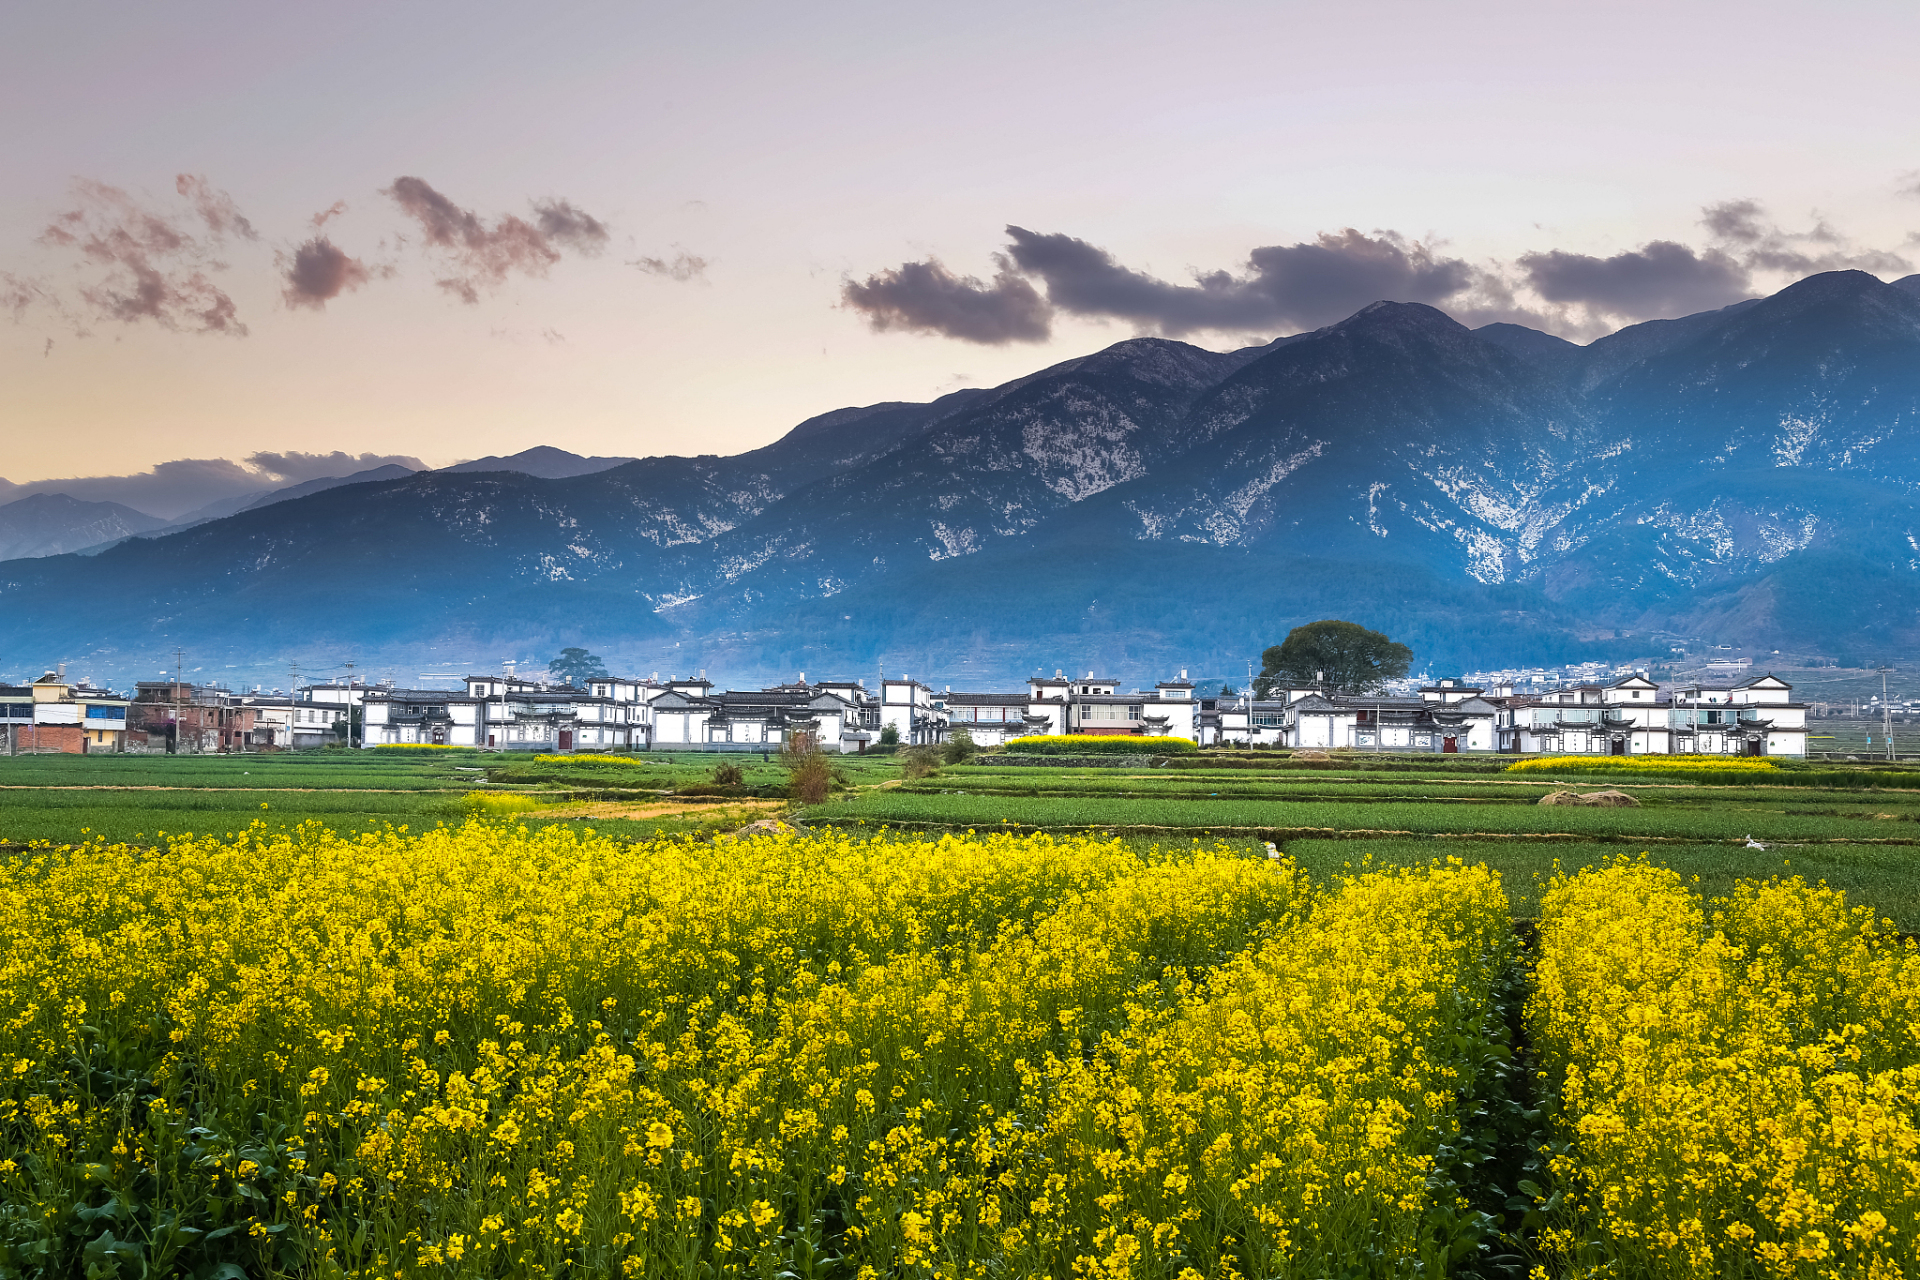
[
  {"x": 576, "y": 666},
  {"x": 1342, "y": 657},
  {"x": 958, "y": 748}
]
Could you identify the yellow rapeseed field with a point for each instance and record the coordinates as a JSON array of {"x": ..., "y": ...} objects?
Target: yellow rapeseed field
[
  {"x": 1643, "y": 764},
  {"x": 486, "y": 1050},
  {"x": 1739, "y": 1082}
]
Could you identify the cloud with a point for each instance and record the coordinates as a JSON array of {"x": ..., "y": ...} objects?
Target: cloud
[
  {"x": 1282, "y": 286},
  {"x": 1743, "y": 228},
  {"x": 560, "y": 220},
  {"x": 683, "y": 267},
  {"x": 139, "y": 263},
  {"x": 1661, "y": 278},
  {"x": 333, "y": 210},
  {"x": 1290, "y": 286},
  {"x": 320, "y": 272},
  {"x": 925, "y": 297},
  {"x": 216, "y": 208},
  {"x": 295, "y": 467},
  {"x": 1310, "y": 283},
  {"x": 483, "y": 256},
  {"x": 186, "y": 486},
  {"x": 168, "y": 490}
]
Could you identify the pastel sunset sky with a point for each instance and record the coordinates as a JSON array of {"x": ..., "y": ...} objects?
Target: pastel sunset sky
[{"x": 443, "y": 231}]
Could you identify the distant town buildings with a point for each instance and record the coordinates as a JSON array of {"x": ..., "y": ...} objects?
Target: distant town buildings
[{"x": 1522, "y": 712}]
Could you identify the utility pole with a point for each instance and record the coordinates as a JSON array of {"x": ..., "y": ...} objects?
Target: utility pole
[
  {"x": 293, "y": 685},
  {"x": 1886, "y": 713},
  {"x": 179, "y": 666},
  {"x": 1247, "y": 699}
]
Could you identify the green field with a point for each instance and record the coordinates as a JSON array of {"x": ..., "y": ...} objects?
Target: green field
[
  {"x": 1856, "y": 827},
  {"x": 62, "y": 798}
]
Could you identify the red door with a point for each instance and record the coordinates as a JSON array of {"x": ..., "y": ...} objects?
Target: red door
[
  {"x": 566, "y": 739},
  {"x": 1450, "y": 746}
]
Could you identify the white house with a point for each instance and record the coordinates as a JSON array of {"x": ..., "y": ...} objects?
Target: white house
[
  {"x": 506, "y": 713},
  {"x": 1094, "y": 704},
  {"x": 688, "y": 716},
  {"x": 1633, "y": 716},
  {"x": 908, "y": 708}
]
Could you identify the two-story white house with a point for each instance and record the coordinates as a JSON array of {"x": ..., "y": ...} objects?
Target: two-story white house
[
  {"x": 1634, "y": 716},
  {"x": 909, "y": 708},
  {"x": 1095, "y": 704}
]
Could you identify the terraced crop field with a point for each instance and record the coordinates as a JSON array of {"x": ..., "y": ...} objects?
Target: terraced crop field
[
  {"x": 1856, "y": 827},
  {"x": 567, "y": 1022}
]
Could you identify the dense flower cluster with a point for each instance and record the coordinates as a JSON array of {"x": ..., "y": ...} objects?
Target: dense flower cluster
[
  {"x": 1643, "y": 764},
  {"x": 1098, "y": 744},
  {"x": 1739, "y": 1085},
  {"x": 485, "y": 1050}
]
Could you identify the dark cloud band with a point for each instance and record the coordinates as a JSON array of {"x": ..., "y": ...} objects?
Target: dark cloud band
[
  {"x": 924, "y": 297},
  {"x": 1291, "y": 287}
]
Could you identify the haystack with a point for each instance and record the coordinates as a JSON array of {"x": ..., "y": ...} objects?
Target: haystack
[{"x": 1597, "y": 799}]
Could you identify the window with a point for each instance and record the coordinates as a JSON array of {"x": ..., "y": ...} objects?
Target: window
[
  {"x": 1636, "y": 693},
  {"x": 106, "y": 713}
]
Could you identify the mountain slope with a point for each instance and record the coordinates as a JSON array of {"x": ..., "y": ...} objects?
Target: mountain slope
[{"x": 1749, "y": 475}]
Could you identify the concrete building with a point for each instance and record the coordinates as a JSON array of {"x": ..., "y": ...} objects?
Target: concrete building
[
  {"x": 191, "y": 719},
  {"x": 1636, "y": 716},
  {"x": 54, "y": 715}
]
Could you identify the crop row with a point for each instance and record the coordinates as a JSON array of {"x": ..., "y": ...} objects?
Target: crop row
[
  {"x": 494, "y": 1051},
  {"x": 1739, "y": 1089},
  {"x": 1720, "y": 823}
]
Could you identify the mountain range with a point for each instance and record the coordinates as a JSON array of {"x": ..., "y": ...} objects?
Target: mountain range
[{"x": 1746, "y": 476}]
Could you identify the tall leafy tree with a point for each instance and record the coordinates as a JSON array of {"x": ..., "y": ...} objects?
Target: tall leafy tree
[
  {"x": 1342, "y": 657},
  {"x": 576, "y": 666}
]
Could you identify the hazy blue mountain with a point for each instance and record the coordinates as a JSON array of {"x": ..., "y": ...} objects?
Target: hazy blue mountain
[
  {"x": 1749, "y": 475},
  {"x": 48, "y": 524}
]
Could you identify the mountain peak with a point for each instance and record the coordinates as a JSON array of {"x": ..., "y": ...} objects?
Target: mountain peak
[
  {"x": 1401, "y": 315},
  {"x": 543, "y": 461},
  {"x": 1826, "y": 286}
]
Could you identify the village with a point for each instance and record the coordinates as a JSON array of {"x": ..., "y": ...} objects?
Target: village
[{"x": 1628, "y": 715}]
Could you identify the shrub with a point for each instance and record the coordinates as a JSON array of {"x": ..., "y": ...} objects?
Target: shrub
[
  {"x": 889, "y": 736},
  {"x": 959, "y": 748},
  {"x": 1098, "y": 744},
  {"x": 918, "y": 762},
  {"x": 807, "y": 766},
  {"x": 728, "y": 775}
]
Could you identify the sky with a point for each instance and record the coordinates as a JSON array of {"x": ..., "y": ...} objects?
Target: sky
[{"x": 260, "y": 237}]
